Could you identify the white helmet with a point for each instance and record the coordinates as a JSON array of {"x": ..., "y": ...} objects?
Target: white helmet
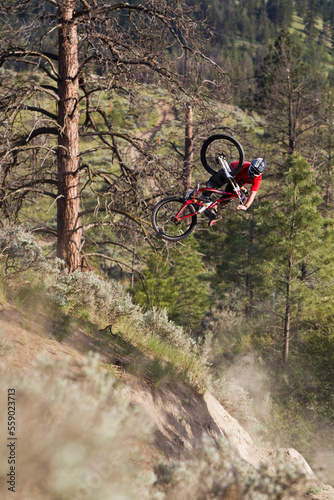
[{"x": 257, "y": 167}]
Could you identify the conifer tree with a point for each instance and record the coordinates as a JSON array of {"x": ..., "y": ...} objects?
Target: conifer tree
[
  {"x": 289, "y": 92},
  {"x": 292, "y": 245},
  {"x": 234, "y": 280},
  {"x": 174, "y": 279},
  {"x": 325, "y": 153},
  {"x": 280, "y": 12},
  {"x": 332, "y": 36},
  {"x": 301, "y": 6},
  {"x": 310, "y": 19}
]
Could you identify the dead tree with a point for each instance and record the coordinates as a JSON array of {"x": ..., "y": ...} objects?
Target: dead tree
[
  {"x": 188, "y": 148},
  {"x": 57, "y": 58}
]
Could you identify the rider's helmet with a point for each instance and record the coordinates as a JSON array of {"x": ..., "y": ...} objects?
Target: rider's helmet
[{"x": 257, "y": 167}]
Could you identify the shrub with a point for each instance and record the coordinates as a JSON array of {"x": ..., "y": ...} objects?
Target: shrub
[
  {"x": 76, "y": 293},
  {"x": 216, "y": 472},
  {"x": 75, "y": 440},
  {"x": 156, "y": 322},
  {"x": 80, "y": 293}
]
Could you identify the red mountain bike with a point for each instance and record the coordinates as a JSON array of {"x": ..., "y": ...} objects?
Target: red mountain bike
[{"x": 174, "y": 218}]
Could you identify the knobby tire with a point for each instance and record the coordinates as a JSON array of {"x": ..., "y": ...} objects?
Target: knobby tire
[
  {"x": 221, "y": 144},
  {"x": 165, "y": 227}
]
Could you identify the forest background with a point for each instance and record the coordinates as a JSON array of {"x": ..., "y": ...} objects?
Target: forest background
[{"x": 256, "y": 291}]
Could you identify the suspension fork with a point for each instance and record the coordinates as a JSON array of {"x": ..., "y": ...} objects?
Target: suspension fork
[{"x": 230, "y": 178}]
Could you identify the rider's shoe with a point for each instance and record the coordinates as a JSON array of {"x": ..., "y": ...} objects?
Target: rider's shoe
[
  {"x": 211, "y": 213},
  {"x": 213, "y": 221}
]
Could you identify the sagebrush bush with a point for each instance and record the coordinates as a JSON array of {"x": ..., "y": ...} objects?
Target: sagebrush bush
[
  {"x": 19, "y": 250},
  {"x": 235, "y": 400},
  {"x": 227, "y": 331},
  {"x": 86, "y": 292},
  {"x": 77, "y": 292},
  {"x": 216, "y": 472},
  {"x": 75, "y": 440},
  {"x": 156, "y": 322}
]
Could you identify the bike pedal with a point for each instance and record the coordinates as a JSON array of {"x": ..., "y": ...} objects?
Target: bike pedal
[{"x": 189, "y": 194}]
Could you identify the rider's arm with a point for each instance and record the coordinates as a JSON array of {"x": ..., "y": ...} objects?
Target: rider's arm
[{"x": 248, "y": 202}]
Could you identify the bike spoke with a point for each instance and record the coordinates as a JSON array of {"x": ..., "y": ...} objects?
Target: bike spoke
[
  {"x": 165, "y": 223},
  {"x": 229, "y": 153}
]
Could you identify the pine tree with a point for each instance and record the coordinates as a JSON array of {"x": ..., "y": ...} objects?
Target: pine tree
[
  {"x": 325, "y": 142},
  {"x": 234, "y": 280},
  {"x": 280, "y": 12},
  {"x": 288, "y": 89},
  {"x": 301, "y": 6},
  {"x": 332, "y": 36},
  {"x": 310, "y": 19},
  {"x": 174, "y": 279},
  {"x": 292, "y": 246}
]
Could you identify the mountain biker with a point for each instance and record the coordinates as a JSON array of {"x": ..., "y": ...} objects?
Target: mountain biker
[{"x": 250, "y": 173}]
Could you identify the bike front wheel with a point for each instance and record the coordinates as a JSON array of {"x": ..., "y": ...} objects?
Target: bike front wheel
[
  {"x": 221, "y": 145},
  {"x": 164, "y": 223}
]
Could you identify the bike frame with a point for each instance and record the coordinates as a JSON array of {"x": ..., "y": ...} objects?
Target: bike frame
[{"x": 225, "y": 195}]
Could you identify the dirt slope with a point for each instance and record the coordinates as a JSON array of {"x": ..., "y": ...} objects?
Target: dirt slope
[{"x": 180, "y": 415}]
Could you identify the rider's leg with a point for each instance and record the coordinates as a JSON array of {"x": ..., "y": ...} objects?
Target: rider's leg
[
  {"x": 212, "y": 213},
  {"x": 215, "y": 182}
]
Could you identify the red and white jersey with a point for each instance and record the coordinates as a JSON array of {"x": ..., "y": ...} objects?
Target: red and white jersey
[{"x": 242, "y": 177}]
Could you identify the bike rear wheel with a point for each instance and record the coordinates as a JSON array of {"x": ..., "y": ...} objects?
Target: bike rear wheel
[
  {"x": 221, "y": 145},
  {"x": 163, "y": 223}
]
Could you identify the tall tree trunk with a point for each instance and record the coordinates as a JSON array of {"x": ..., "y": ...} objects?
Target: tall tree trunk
[
  {"x": 249, "y": 285},
  {"x": 188, "y": 149},
  {"x": 287, "y": 318},
  {"x": 68, "y": 203},
  {"x": 292, "y": 124},
  {"x": 329, "y": 184}
]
